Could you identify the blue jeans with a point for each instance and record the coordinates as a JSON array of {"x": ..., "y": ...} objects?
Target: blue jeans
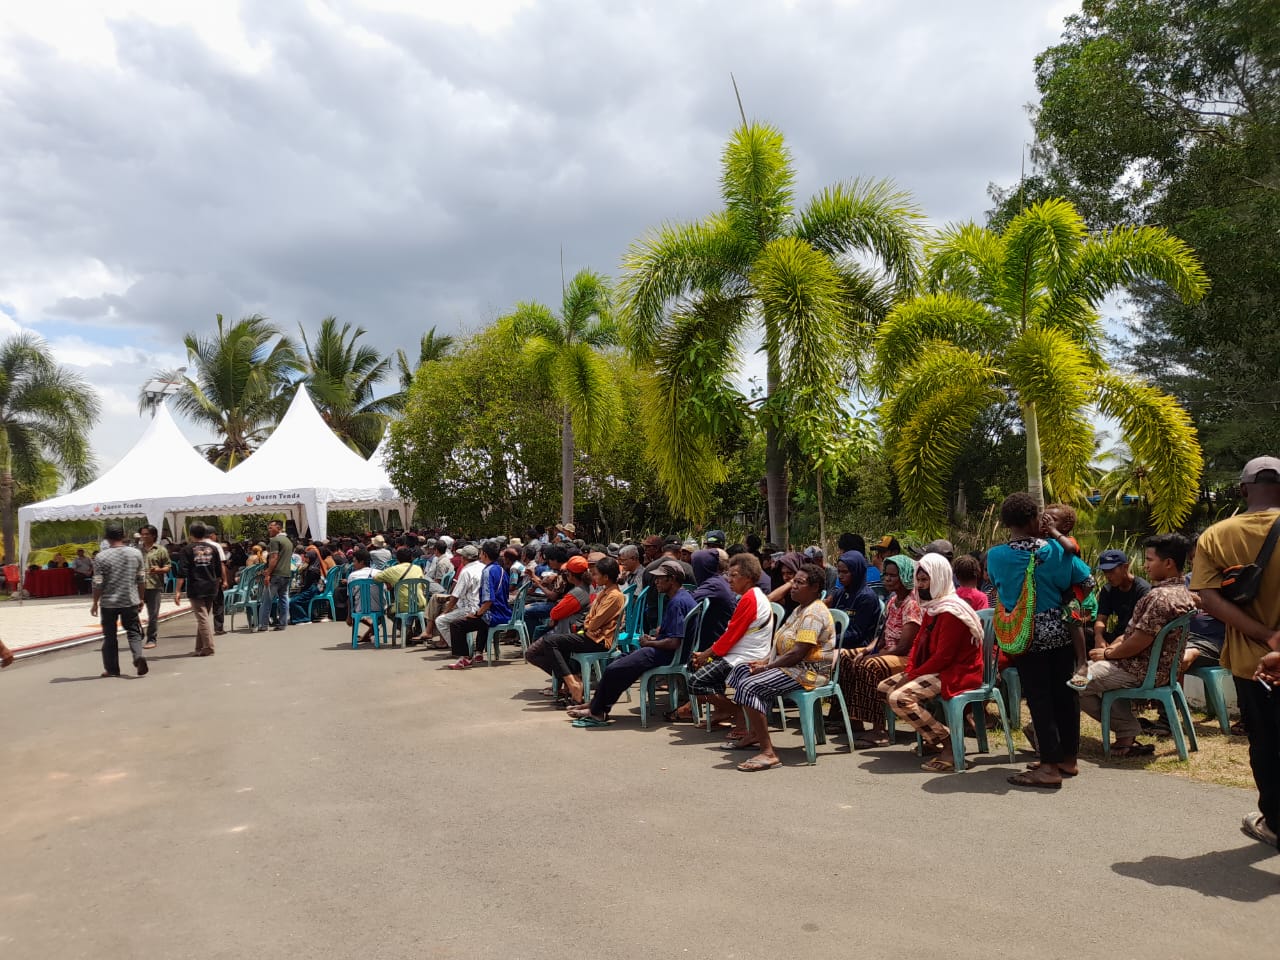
[
  {"x": 535, "y": 615},
  {"x": 275, "y": 597}
]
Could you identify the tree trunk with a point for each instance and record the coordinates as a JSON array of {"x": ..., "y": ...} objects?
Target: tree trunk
[
  {"x": 566, "y": 468},
  {"x": 822, "y": 517},
  {"x": 775, "y": 459},
  {"x": 6, "y": 511},
  {"x": 1035, "y": 483}
]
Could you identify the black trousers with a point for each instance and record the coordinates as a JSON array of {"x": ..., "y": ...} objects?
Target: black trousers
[
  {"x": 218, "y": 618},
  {"x": 622, "y": 673},
  {"x": 1260, "y": 711},
  {"x": 110, "y": 651},
  {"x": 458, "y": 631},
  {"x": 563, "y": 646},
  {"x": 1055, "y": 707}
]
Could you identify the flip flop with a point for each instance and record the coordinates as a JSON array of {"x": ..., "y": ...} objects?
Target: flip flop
[
  {"x": 866, "y": 743},
  {"x": 1134, "y": 750},
  {"x": 735, "y": 745},
  {"x": 589, "y": 721},
  {"x": 939, "y": 765},
  {"x": 1027, "y": 780},
  {"x": 462, "y": 663},
  {"x": 754, "y": 765}
]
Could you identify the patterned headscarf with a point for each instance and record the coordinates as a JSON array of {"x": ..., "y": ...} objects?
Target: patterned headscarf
[{"x": 906, "y": 569}]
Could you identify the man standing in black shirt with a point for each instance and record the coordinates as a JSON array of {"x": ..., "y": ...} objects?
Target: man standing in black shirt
[{"x": 204, "y": 577}]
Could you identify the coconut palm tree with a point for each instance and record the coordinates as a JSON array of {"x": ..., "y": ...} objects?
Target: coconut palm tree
[
  {"x": 237, "y": 385},
  {"x": 810, "y": 283},
  {"x": 46, "y": 413},
  {"x": 1013, "y": 316},
  {"x": 341, "y": 375},
  {"x": 566, "y": 354},
  {"x": 431, "y": 347}
]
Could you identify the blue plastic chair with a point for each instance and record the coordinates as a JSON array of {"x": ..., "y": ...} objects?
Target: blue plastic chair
[
  {"x": 326, "y": 595},
  {"x": 954, "y": 707},
  {"x": 233, "y": 599},
  {"x": 1013, "y": 695},
  {"x": 408, "y": 593},
  {"x": 253, "y": 600},
  {"x": 447, "y": 580},
  {"x": 1169, "y": 695},
  {"x": 676, "y": 668},
  {"x": 809, "y": 702},
  {"x": 841, "y": 621},
  {"x": 633, "y": 620},
  {"x": 372, "y": 610},
  {"x": 779, "y": 614},
  {"x": 1216, "y": 682}
]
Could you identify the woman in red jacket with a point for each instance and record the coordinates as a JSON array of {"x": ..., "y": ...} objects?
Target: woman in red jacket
[{"x": 945, "y": 660}]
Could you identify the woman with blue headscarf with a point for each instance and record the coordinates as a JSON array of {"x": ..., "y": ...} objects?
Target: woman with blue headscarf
[
  {"x": 856, "y": 599},
  {"x": 866, "y": 666}
]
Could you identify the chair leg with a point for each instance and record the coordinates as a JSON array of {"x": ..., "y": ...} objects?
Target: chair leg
[
  {"x": 954, "y": 714},
  {"x": 1216, "y": 699},
  {"x": 586, "y": 682},
  {"x": 1175, "y": 723},
  {"x": 1004, "y": 724},
  {"x": 980, "y": 725},
  {"x": 1105, "y": 714},
  {"x": 819, "y": 725},
  {"x": 807, "y": 731},
  {"x": 1183, "y": 716}
]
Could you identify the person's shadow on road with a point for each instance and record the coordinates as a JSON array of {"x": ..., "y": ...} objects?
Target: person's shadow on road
[
  {"x": 94, "y": 676},
  {"x": 1227, "y": 874}
]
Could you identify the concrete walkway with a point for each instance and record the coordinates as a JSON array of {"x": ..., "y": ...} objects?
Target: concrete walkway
[
  {"x": 292, "y": 798},
  {"x": 36, "y": 626}
]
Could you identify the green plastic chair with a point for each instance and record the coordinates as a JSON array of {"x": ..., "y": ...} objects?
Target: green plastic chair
[
  {"x": 632, "y": 629},
  {"x": 233, "y": 598},
  {"x": 1013, "y": 695},
  {"x": 326, "y": 595},
  {"x": 447, "y": 580},
  {"x": 677, "y": 666},
  {"x": 779, "y": 614},
  {"x": 252, "y": 601},
  {"x": 809, "y": 702},
  {"x": 409, "y": 594},
  {"x": 375, "y": 612},
  {"x": 954, "y": 707},
  {"x": 1216, "y": 681},
  {"x": 515, "y": 625},
  {"x": 1169, "y": 695}
]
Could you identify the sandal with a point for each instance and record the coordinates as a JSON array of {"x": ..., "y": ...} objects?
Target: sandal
[
  {"x": 588, "y": 722},
  {"x": 756, "y": 764},
  {"x": 1029, "y": 779},
  {"x": 460, "y": 664},
  {"x": 1134, "y": 750},
  {"x": 1067, "y": 774},
  {"x": 939, "y": 765},
  {"x": 867, "y": 742}
]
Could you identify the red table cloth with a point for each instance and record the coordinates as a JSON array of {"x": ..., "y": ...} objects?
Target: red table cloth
[{"x": 50, "y": 583}]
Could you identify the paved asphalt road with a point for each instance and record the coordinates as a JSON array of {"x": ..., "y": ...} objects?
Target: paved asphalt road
[{"x": 293, "y": 798}]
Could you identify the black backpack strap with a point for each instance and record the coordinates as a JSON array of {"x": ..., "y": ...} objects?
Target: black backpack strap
[{"x": 1269, "y": 545}]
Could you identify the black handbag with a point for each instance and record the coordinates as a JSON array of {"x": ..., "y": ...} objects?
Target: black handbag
[{"x": 1242, "y": 581}]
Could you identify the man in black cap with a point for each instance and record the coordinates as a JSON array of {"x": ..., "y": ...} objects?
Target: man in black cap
[
  {"x": 1251, "y": 650},
  {"x": 1117, "y": 598},
  {"x": 715, "y": 539}
]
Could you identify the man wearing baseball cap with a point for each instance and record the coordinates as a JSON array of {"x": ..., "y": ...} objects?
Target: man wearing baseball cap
[
  {"x": 715, "y": 539},
  {"x": 1251, "y": 649},
  {"x": 887, "y": 546},
  {"x": 1119, "y": 595}
]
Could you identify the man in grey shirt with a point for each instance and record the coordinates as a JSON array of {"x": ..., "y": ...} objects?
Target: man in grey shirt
[{"x": 119, "y": 577}]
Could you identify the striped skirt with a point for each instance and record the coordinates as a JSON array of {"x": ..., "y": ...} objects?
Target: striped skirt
[
  {"x": 759, "y": 691},
  {"x": 859, "y": 682}
]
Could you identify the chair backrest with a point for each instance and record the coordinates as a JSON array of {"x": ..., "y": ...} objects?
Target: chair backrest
[
  {"x": 880, "y": 590},
  {"x": 635, "y": 612},
  {"x": 692, "y": 628},
  {"x": 841, "y": 620},
  {"x": 366, "y": 595},
  {"x": 408, "y": 594},
  {"x": 331, "y": 579},
  {"x": 779, "y": 614},
  {"x": 447, "y": 580},
  {"x": 1181, "y": 625},
  {"x": 517, "y": 605}
]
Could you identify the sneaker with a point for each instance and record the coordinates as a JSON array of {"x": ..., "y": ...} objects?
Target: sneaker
[
  {"x": 1256, "y": 827},
  {"x": 141, "y": 666},
  {"x": 263, "y": 629},
  {"x": 462, "y": 663},
  {"x": 277, "y": 628}
]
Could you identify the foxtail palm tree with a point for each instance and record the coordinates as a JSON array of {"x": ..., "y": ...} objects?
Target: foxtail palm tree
[
  {"x": 46, "y": 413},
  {"x": 810, "y": 282},
  {"x": 237, "y": 385},
  {"x": 341, "y": 375},
  {"x": 1013, "y": 316},
  {"x": 566, "y": 354}
]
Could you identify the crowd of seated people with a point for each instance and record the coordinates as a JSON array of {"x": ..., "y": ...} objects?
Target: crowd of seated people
[{"x": 913, "y": 634}]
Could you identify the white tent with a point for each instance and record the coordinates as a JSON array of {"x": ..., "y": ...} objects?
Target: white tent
[
  {"x": 304, "y": 469},
  {"x": 145, "y": 483}
]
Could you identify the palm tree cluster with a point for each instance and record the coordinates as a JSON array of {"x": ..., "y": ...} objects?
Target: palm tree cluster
[{"x": 46, "y": 413}]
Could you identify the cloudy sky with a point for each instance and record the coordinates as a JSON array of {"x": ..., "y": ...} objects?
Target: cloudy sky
[{"x": 402, "y": 164}]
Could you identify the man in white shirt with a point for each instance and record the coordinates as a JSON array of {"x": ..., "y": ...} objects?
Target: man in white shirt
[
  {"x": 379, "y": 555},
  {"x": 464, "y": 599},
  {"x": 362, "y": 571}
]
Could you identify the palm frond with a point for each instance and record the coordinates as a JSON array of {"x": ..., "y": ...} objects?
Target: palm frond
[
  {"x": 938, "y": 366},
  {"x": 966, "y": 260},
  {"x": 1041, "y": 244},
  {"x": 871, "y": 216},
  {"x": 587, "y": 388},
  {"x": 933, "y": 316},
  {"x": 1161, "y": 435},
  {"x": 756, "y": 180}
]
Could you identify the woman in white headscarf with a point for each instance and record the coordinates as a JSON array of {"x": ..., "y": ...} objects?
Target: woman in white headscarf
[{"x": 946, "y": 658}]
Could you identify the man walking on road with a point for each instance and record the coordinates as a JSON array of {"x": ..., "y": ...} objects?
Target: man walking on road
[
  {"x": 204, "y": 576},
  {"x": 157, "y": 563},
  {"x": 119, "y": 573},
  {"x": 276, "y": 575},
  {"x": 1251, "y": 650}
]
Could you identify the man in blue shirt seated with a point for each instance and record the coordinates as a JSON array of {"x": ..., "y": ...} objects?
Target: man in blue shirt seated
[{"x": 655, "y": 651}]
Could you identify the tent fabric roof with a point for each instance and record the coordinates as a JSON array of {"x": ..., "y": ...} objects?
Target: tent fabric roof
[
  {"x": 302, "y": 452},
  {"x": 161, "y": 458}
]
